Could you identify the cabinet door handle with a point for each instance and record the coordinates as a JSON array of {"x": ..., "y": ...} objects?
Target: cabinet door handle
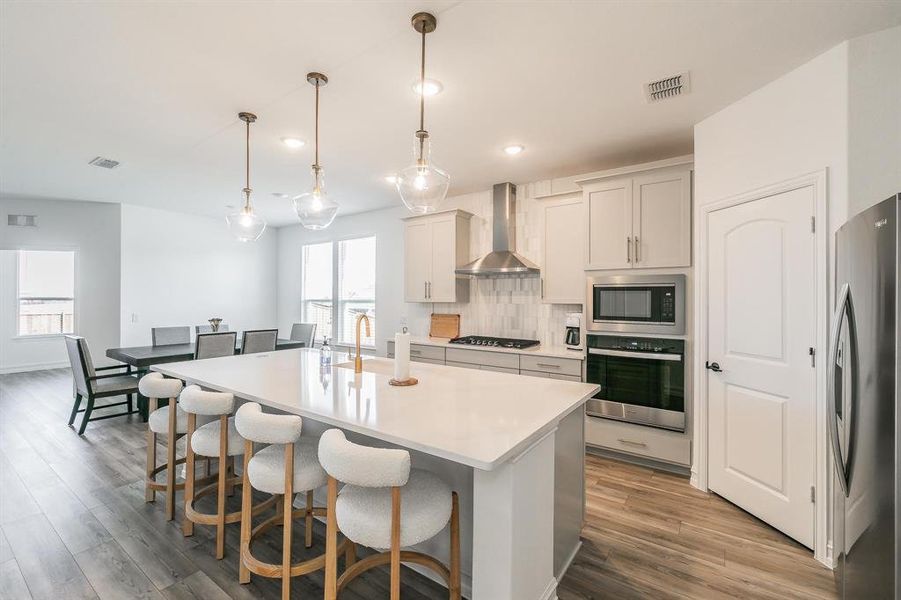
[
  {"x": 631, "y": 443},
  {"x": 425, "y": 289},
  {"x": 637, "y": 250},
  {"x": 628, "y": 249},
  {"x": 548, "y": 365},
  {"x": 430, "y": 290},
  {"x": 542, "y": 287},
  {"x": 415, "y": 352}
]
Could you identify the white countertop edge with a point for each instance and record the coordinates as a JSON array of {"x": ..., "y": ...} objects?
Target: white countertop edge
[
  {"x": 451, "y": 456},
  {"x": 540, "y": 350}
]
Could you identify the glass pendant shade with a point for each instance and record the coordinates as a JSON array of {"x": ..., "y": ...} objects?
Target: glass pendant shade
[
  {"x": 314, "y": 208},
  {"x": 245, "y": 225},
  {"x": 422, "y": 186}
]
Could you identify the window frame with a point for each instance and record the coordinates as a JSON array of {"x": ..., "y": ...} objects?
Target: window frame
[
  {"x": 336, "y": 300},
  {"x": 75, "y": 291}
]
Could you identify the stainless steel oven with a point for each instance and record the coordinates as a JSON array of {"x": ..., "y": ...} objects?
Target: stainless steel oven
[
  {"x": 642, "y": 380},
  {"x": 636, "y": 304}
]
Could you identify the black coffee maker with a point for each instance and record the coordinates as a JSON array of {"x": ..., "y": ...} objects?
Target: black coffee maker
[{"x": 573, "y": 336}]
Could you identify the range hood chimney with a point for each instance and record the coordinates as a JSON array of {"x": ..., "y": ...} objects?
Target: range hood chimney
[{"x": 503, "y": 260}]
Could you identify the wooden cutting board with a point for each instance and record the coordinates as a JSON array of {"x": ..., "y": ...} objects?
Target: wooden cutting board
[{"x": 444, "y": 326}]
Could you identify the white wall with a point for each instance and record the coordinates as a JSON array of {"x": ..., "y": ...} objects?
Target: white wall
[
  {"x": 874, "y": 118},
  {"x": 387, "y": 227},
  {"x": 180, "y": 269},
  {"x": 92, "y": 229}
]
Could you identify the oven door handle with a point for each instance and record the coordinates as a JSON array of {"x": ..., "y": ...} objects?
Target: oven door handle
[{"x": 630, "y": 354}]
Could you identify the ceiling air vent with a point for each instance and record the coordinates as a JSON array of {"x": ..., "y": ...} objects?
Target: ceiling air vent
[
  {"x": 106, "y": 163},
  {"x": 669, "y": 87},
  {"x": 21, "y": 220}
]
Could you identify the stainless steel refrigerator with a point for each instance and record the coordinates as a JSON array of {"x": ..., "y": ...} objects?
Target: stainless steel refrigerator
[{"x": 863, "y": 393}]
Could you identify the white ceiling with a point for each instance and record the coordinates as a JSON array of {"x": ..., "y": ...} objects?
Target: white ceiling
[{"x": 158, "y": 86}]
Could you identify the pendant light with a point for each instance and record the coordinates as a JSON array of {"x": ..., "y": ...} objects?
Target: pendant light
[
  {"x": 422, "y": 186},
  {"x": 314, "y": 208},
  {"x": 246, "y": 225}
]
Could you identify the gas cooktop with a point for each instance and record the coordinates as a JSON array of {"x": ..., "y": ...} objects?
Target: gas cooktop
[{"x": 494, "y": 342}]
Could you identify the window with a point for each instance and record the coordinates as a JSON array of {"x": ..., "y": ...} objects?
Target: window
[
  {"x": 46, "y": 292},
  {"x": 338, "y": 283}
]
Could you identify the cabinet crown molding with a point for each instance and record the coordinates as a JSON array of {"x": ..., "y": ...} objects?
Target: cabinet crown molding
[
  {"x": 454, "y": 211},
  {"x": 677, "y": 161}
]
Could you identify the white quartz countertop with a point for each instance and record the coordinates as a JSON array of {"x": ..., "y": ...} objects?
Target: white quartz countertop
[
  {"x": 477, "y": 418},
  {"x": 539, "y": 350}
]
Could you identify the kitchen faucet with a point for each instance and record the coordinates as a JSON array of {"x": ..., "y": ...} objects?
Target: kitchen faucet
[{"x": 358, "y": 358}]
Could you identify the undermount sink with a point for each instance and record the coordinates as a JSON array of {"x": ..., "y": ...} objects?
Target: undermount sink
[{"x": 371, "y": 366}]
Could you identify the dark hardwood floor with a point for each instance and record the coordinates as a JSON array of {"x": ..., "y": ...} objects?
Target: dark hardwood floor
[{"x": 74, "y": 524}]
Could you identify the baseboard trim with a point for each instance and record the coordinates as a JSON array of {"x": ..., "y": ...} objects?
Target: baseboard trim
[
  {"x": 550, "y": 593},
  {"x": 569, "y": 561},
  {"x": 33, "y": 367}
]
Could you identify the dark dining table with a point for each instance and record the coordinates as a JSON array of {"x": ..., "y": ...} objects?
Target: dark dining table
[{"x": 140, "y": 358}]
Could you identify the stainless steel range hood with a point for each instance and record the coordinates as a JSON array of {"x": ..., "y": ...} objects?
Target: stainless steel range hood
[{"x": 503, "y": 260}]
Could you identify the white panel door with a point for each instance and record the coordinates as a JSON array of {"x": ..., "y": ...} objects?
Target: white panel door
[
  {"x": 610, "y": 225},
  {"x": 417, "y": 259},
  {"x": 563, "y": 271},
  {"x": 442, "y": 280},
  {"x": 761, "y": 325},
  {"x": 661, "y": 220}
]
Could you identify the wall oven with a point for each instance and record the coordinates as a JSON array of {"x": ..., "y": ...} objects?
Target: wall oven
[
  {"x": 642, "y": 380},
  {"x": 636, "y": 304}
]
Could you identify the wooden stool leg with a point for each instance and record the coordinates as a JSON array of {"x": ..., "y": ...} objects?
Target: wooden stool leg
[
  {"x": 246, "y": 506},
  {"x": 288, "y": 510},
  {"x": 149, "y": 493},
  {"x": 223, "y": 476},
  {"x": 308, "y": 522},
  {"x": 187, "y": 526},
  {"x": 350, "y": 555},
  {"x": 230, "y": 461},
  {"x": 331, "y": 542},
  {"x": 170, "y": 461},
  {"x": 454, "y": 586},
  {"x": 395, "y": 543}
]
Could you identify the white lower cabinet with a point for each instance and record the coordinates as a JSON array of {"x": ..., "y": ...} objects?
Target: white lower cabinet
[{"x": 649, "y": 442}]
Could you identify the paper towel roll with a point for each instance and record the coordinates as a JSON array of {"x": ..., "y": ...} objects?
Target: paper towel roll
[{"x": 401, "y": 356}]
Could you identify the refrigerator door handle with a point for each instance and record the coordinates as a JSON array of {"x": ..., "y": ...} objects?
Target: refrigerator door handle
[{"x": 845, "y": 309}]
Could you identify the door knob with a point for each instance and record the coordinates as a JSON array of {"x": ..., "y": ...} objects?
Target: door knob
[{"x": 715, "y": 367}]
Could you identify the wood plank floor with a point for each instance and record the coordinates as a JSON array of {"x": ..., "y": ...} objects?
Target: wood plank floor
[{"x": 74, "y": 524}]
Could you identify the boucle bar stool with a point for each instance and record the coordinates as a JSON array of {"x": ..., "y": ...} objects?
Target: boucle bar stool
[
  {"x": 217, "y": 439},
  {"x": 385, "y": 504},
  {"x": 287, "y": 466}
]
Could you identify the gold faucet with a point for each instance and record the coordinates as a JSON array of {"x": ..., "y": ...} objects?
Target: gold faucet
[{"x": 358, "y": 360}]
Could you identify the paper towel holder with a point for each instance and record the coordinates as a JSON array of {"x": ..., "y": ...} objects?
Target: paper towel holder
[{"x": 403, "y": 382}]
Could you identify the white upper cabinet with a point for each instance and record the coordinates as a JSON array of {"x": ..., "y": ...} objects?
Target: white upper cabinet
[
  {"x": 434, "y": 246},
  {"x": 562, "y": 268},
  {"x": 661, "y": 219},
  {"x": 639, "y": 221}
]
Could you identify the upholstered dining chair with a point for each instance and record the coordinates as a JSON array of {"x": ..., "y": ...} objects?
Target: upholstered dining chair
[
  {"x": 217, "y": 439},
  {"x": 286, "y": 466},
  {"x": 304, "y": 332},
  {"x": 90, "y": 386},
  {"x": 169, "y": 336},
  {"x": 198, "y": 329},
  {"x": 259, "y": 340},
  {"x": 385, "y": 504},
  {"x": 214, "y": 345}
]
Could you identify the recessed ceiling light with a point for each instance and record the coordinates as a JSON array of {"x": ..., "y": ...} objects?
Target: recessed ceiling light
[
  {"x": 514, "y": 150},
  {"x": 293, "y": 142},
  {"x": 431, "y": 87},
  {"x": 392, "y": 179}
]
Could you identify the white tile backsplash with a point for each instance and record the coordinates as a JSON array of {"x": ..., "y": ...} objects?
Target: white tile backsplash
[{"x": 505, "y": 306}]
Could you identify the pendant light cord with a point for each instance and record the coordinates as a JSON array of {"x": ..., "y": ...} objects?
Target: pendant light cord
[
  {"x": 422, "y": 97},
  {"x": 316, "y": 161},
  {"x": 247, "y": 165}
]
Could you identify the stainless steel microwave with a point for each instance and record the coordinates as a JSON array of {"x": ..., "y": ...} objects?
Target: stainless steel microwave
[{"x": 636, "y": 304}]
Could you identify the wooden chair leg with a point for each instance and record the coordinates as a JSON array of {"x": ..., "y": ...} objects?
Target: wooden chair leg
[
  {"x": 230, "y": 489},
  {"x": 87, "y": 415},
  {"x": 170, "y": 461},
  {"x": 223, "y": 477},
  {"x": 308, "y": 522},
  {"x": 75, "y": 407},
  {"x": 187, "y": 526},
  {"x": 454, "y": 586},
  {"x": 246, "y": 506},
  {"x": 395, "y": 543},
  {"x": 288, "y": 521},
  {"x": 331, "y": 542}
]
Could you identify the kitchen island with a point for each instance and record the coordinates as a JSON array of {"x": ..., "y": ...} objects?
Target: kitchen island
[{"x": 511, "y": 446}]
